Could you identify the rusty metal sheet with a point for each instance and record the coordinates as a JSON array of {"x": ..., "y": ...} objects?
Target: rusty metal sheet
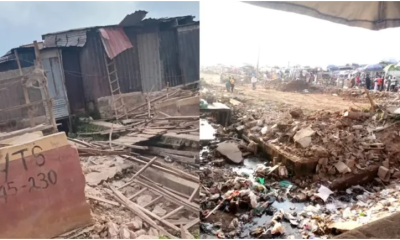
[
  {"x": 114, "y": 41},
  {"x": 41, "y": 189},
  {"x": 189, "y": 51},
  {"x": 76, "y": 38}
]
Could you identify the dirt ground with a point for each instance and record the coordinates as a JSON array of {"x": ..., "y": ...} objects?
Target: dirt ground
[{"x": 305, "y": 101}]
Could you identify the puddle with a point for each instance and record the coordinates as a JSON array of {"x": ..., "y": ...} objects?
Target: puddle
[
  {"x": 248, "y": 167},
  {"x": 207, "y": 131}
]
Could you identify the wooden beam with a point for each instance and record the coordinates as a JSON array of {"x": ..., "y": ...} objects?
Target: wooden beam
[
  {"x": 172, "y": 212},
  {"x": 139, "y": 211},
  {"x": 26, "y": 95},
  {"x": 130, "y": 181},
  {"x": 39, "y": 64}
]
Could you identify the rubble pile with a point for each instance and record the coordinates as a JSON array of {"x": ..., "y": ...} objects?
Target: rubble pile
[
  {"x": 272, "y": 202},
  {"x": 128, "y": 169}
]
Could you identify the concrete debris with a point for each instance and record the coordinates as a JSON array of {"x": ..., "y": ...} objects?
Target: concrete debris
[
  {"x": 143, "y": 200},
  {"x": 136, "y": 223},
  {"x": 124, "y": 233},
  {"x": 112, "y": 230},
  {"x": 303, "y": 137},
  {"x": 231, "y": 151},
  {"x": 337, "y": 165},
  {"x": 159, "y": 211}
]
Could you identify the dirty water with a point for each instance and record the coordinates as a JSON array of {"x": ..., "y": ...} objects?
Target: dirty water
[
  {"x": 247, "y": 168},
  {"x": 207, "y": 131}
]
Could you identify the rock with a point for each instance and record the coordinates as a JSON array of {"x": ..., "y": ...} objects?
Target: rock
[
  {"x": 386, "y": 163},
  {"x": 159, "y": 210},
  {"x": 147, "y": 237},
  {"x": 234, "y": 224},
  {"x": 132, "y": 234},
  {"x": 219, "y": 162},
  {"x": 341, "y": 167},
  {"x": 124, "y": 233},
  {"x": 323, "y": 161},
  {"x": 319, "y": 151},
  {"x": 358, "y": 127},
  {"x": 396, "y": 175},
  {"x": 303, "y": 137},
  {"x": 135, "y": 224},
  {"x": 112, "y": 230},
  {"x": 144, "y": 199},
  {"x": 296, "y": 113},
  {"x": 230, "y": 150},
  {"x": 140, "y": 232},
  {"x": 351, "y": 163},
  {"x": 260, "y": 122},
  {"x": 153, "y": 232},
  {"x": 384, "y": 174}
]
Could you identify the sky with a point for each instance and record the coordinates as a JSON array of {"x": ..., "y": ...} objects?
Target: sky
[
  {"x": 236, "y": 34},
  {"x": 23, "y": 22}
]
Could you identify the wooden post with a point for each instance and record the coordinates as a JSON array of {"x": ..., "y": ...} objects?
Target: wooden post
[
  {"x": 26, "y": 95},
  {"x": 39, "y": 64}
]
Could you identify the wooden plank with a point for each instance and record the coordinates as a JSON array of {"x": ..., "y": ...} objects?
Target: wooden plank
[
  {"x": 188, "y": 137},
  {"x": 23, "y": 131},
  {"x": 103, "y": 200},
  {"x": 154, "y": 201},
  {"x": 107, "y": 124},
  {"x": 26, "y": 95},
  {"x": 137, "y": 193},
  {"x": 171, "y": 196},
  {"x": 156, "y": 150},
  {"x": 130, "y": 146},
  {"x": 172, "y": 213},
  {"x": 98, "y": 152},
  {"x": 195, "y": 192},
  {"x": 139, "y": 211},
  {"x": 138, "y": 172},
  {"x": 191, "y": 223}
]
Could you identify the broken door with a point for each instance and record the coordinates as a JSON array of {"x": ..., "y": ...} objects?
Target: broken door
[{"x": 55, "y": 83}]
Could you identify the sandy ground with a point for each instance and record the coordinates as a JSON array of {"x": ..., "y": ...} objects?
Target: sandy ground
[{"x": 304, "y": 101}]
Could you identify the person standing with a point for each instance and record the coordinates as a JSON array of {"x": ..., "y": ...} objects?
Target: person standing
[
  {"x": 228, "y": 85},
  {"x": 232, "y": 81},
  {"x": 368, "y": 82},
  {"x": 393, "y": 84},
  {"x": 254, "y": 81}
]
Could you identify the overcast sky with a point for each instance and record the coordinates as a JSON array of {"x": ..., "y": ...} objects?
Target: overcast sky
[
  {"x": 23, "y": 22},
  {"x": 232, "y": 33}
]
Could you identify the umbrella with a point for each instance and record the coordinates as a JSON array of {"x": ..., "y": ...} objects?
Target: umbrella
[
  {"x": 376, "y": 15},
  {"x": 391, "y": 67},
  {"x": 332, "y": 67},
  {"x": 373, "y": 68}
]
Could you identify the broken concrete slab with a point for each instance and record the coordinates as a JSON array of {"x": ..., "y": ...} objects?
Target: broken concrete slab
[
  {"x": 348, "y": 180},
  {"x": 303, "y": 137},
  {"x": 230, "y": 150}
]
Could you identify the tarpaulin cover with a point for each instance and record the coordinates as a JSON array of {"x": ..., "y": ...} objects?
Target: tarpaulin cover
[
  {"x": 374, "y": 15},
  {"x": 114, "y": 41}
]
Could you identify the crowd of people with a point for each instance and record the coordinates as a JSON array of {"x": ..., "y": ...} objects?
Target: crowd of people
[{"x": 378, "y": 83}]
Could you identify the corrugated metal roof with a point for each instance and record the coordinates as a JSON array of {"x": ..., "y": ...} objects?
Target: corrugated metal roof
[
  {"x": 9, "y": 56},
  {"x": 66, "y": 39},
  {"x": 133, "y": 19},
  {"x": 114, "y": 41}
]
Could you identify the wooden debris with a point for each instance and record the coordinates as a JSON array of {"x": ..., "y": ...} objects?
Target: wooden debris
[{"x": 96, "y": 152}]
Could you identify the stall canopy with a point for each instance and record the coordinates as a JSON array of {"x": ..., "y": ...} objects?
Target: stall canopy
[{"x": 375, "y": 15}]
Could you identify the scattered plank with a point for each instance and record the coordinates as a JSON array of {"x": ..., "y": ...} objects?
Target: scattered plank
[
  {"x": 138, "y": 211},
  {"x": 97, "y": 152},
  {"x": 103, "y": 200},
  {"x": 107, "y": 124},
  {"x": 157, "y": 150},
  {"x": 138, "y": 173}
]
